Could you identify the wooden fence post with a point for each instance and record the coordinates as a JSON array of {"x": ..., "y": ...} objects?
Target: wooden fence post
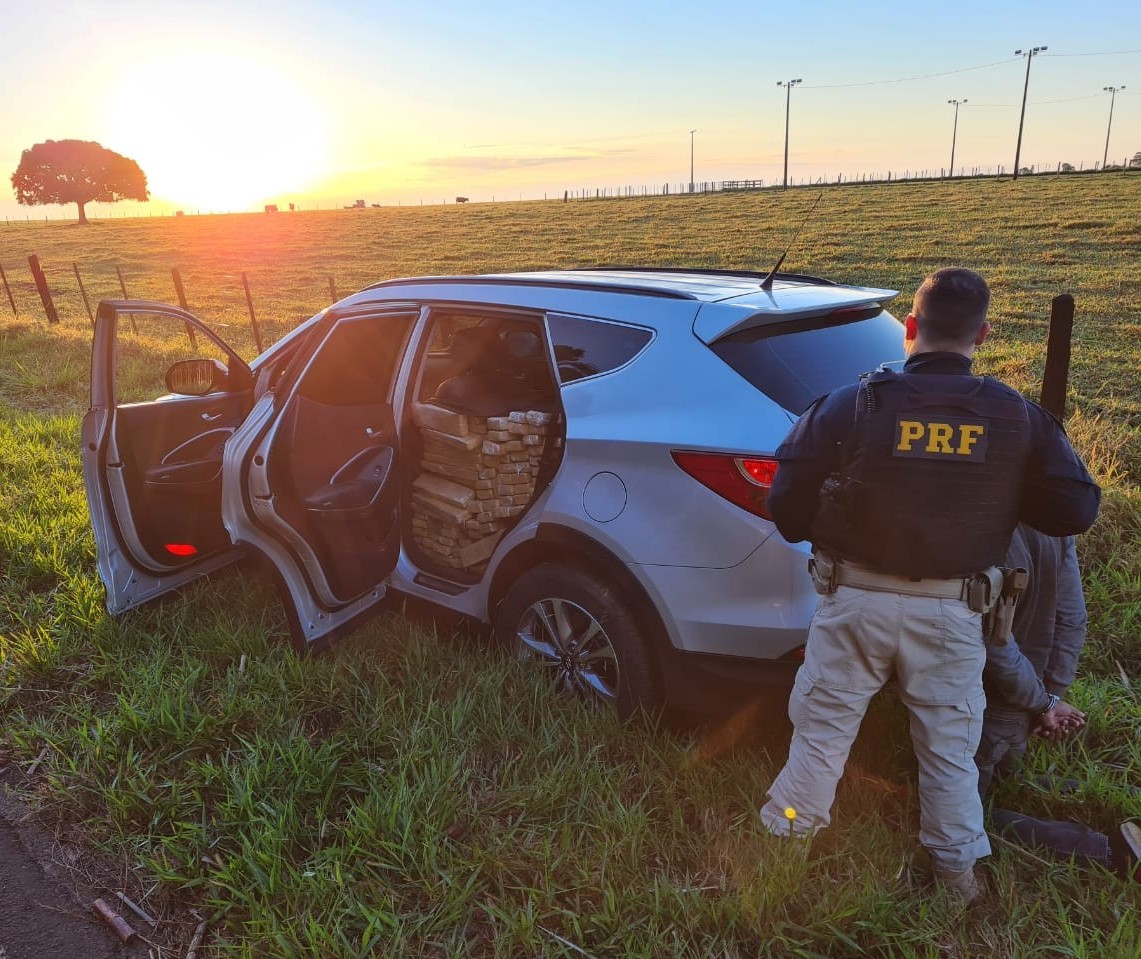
[
  {"x": 8, "y": 290},
  {"x": 182, "y": 302},
  {"x": 42, "y": 287},
  {"x": 83, "y": 291},
  {"x": 253, "y": 319},
  {"x": 126, "y": 296},
  {"x": 333, "y": 290},
  {"x": 1053, "y": 396}
]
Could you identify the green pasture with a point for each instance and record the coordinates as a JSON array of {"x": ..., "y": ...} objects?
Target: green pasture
[{"x": 418, "y": 793}]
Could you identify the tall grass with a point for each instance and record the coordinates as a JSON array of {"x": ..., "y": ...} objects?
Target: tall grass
[{"x": 416, "y": 792}]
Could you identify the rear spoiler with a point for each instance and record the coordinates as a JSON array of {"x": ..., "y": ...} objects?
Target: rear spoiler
[{"x": 788, "y": 307}]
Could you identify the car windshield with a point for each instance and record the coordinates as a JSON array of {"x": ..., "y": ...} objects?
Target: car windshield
[{"x": 814, "y": 357}]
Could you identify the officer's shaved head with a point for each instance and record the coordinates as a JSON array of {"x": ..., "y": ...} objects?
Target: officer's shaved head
[{"x": 950, "y": 306}]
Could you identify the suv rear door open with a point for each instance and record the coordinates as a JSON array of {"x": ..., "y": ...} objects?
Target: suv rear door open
[{"x": 311, "y": 479}]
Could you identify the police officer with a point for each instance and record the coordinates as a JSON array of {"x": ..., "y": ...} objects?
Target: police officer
[{"x": 909, "y": 486}]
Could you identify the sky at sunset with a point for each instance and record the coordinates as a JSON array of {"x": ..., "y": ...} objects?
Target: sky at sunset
[{"x": 230, "y": 105}]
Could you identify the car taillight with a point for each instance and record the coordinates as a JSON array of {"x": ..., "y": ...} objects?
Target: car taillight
[
  {"x": 181, "y": 550},
  {"x": 743, "y": 480}
]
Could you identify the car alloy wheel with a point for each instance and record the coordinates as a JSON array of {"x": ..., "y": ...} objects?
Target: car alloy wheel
[
  {"x": 579, "y": 625},
  {"x": 569, "y": 640}
]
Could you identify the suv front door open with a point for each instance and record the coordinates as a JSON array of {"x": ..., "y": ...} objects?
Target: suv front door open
[{"x": 152, "y": 458}]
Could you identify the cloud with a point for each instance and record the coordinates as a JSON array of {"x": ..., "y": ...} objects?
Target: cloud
[{"x": 492, "y": 163}]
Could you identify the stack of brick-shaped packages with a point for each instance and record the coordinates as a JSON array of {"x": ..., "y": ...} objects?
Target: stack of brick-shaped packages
[{"x": 477, "y": 473}]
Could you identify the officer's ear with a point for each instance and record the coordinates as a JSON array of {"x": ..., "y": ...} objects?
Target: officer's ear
[
  {"x": 910, "y": 329},
  {"x": 984, "y": 330}
]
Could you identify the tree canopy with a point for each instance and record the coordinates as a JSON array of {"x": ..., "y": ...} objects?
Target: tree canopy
[{"x": 77, "y": 171}]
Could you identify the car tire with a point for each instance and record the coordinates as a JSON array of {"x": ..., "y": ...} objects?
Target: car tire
[{"x": 578, "y": 625}]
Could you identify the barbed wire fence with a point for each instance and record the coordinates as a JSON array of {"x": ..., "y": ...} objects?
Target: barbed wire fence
[{"x": 67, "y": 295}]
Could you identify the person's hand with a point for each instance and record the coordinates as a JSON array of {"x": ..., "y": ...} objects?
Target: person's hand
[{"x": 1059, "y": 722}]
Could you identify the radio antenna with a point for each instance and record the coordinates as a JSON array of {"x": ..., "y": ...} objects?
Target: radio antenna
[{"x": 767, "y": 282}]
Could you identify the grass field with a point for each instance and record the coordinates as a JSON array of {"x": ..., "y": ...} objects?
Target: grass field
[{"x": 416, "y": 793}]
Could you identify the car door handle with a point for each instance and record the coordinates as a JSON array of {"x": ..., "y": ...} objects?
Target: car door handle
[{"x": 211, "y": 417}]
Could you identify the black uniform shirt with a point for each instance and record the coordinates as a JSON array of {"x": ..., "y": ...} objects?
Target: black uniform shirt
[{"x": 1059, "y": 497}]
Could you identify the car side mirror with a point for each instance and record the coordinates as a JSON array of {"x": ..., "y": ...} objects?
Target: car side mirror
[{"x": 195, "y": 377}]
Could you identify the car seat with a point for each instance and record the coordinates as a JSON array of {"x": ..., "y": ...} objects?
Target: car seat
[{"x": 501, "y": 372}]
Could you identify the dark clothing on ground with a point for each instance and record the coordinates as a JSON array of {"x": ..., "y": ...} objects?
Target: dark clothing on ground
[{"x": 1062, "y": 840}]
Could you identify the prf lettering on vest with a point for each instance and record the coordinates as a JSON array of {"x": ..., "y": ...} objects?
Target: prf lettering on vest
[{"x": 940, "y": 438}]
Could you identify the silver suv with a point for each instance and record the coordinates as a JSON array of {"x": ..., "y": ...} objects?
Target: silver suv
[{"x": 579, "y": 458}]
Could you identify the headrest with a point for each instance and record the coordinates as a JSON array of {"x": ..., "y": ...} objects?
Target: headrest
[
  {"x": 470, "y": 342},
  {"x": 521, "y": 344}
]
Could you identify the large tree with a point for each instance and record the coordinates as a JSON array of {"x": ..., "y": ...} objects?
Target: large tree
[{"x": 77, "y": 171}]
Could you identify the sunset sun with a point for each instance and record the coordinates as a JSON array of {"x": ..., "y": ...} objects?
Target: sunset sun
[{"x": 217, "y": 131}]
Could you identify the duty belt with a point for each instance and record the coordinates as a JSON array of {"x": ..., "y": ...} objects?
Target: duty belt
[
  {"x": 982, "y": 592},
  {"x": 863, "y": 578}
]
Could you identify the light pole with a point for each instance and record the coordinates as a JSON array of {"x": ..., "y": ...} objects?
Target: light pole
[
  {"x": 954, "y": 133},
  {"x": 788, "y": 85},
  {"x": 1112, "y": 91},
  {"x": 1030, "y": 55},
  {"x": 691, "y": 133}
]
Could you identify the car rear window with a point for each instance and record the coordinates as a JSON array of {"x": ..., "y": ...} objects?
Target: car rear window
[
  {"x": 586, "y": 347},
  {"x": 794, "y": 363}
]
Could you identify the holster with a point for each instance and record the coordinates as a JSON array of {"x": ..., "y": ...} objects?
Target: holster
[
  {"x": 998, "y": 620},
  {"x": 984, "y": 590},
  {"x": 822, "y": 569}
]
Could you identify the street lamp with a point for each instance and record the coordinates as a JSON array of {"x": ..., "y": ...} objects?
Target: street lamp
[
  {"x": 691, "y": 133},
  {"x": 788, "y": 85},
  {"x": 1112, "y": 91},
  {"x": 1030, "y": 55},
  {"x": 954, "y": 133}
]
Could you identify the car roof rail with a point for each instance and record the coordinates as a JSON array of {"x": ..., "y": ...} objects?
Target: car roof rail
[
  {"x": 508, "y": 279},
  {"x": 708, "y": 271}
]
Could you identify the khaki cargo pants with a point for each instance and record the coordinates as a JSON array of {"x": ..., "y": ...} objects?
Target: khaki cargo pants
[{"x": 857, "y": 641}]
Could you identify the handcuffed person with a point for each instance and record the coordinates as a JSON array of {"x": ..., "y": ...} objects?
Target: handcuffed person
[{"x": 1026, "y": 681}]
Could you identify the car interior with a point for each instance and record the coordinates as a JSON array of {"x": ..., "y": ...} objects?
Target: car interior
[
  {"x": 478, "y": 447},
  {"x": 170, "y": 449},
  {"x": 172, "y": 471},
  {"x": 488, "y": 366}
]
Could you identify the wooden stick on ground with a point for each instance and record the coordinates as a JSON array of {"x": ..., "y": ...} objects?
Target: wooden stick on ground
[{"x": 196, "y": 940}]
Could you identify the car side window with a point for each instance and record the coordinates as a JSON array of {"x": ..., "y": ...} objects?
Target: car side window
[{"x": 586, "y": 347}]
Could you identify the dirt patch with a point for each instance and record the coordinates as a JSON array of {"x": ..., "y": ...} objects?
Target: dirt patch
[{"x": 45, "y": 909}]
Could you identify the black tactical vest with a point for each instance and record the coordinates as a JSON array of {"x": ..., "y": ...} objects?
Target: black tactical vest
[{"x": 933, "y": 479}]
